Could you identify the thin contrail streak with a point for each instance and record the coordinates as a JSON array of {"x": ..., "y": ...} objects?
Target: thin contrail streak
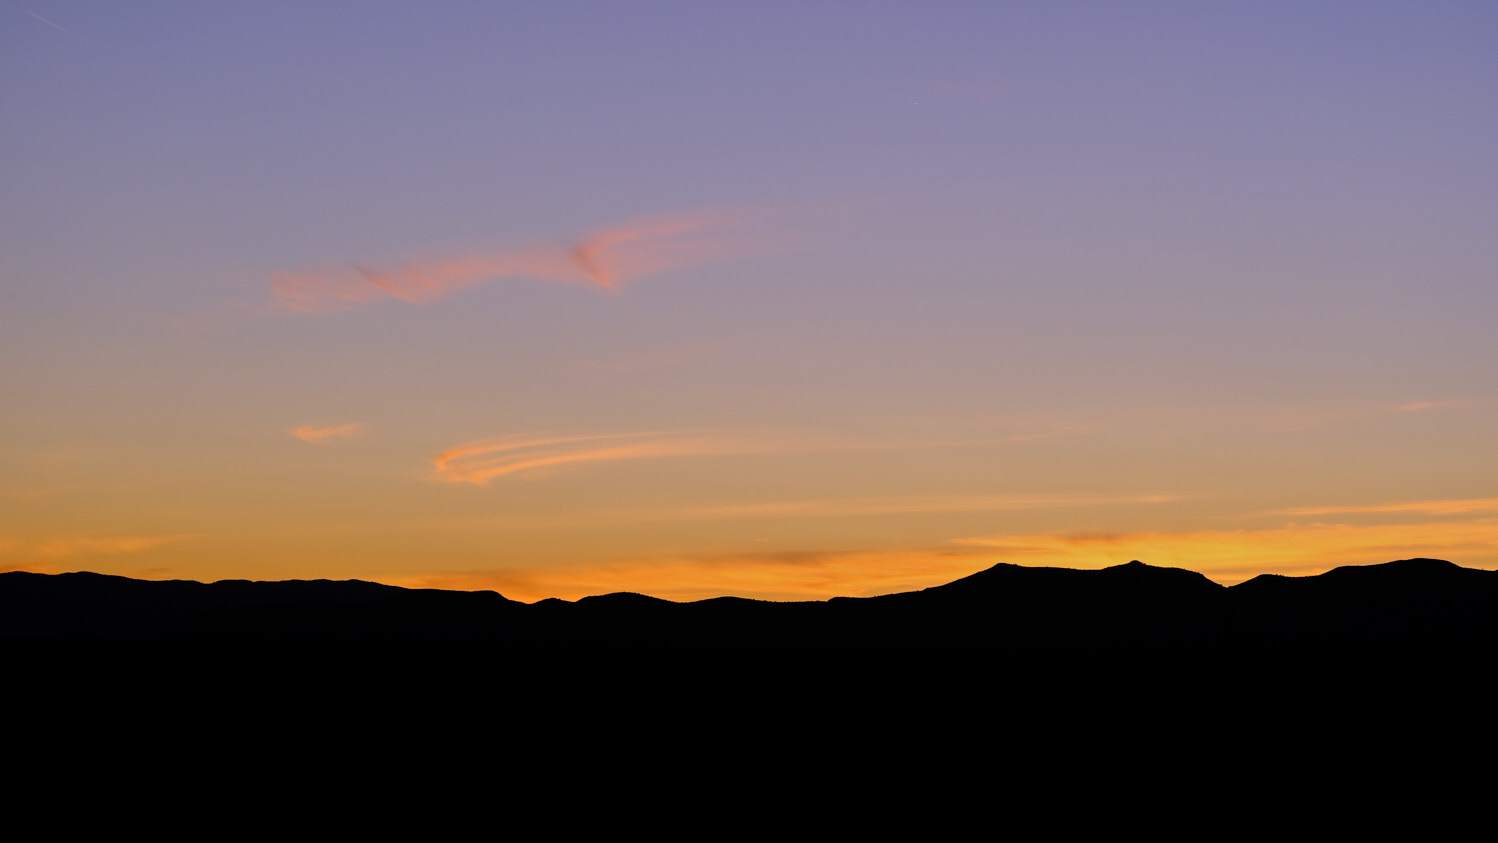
[{"x": 55, "y": 26}]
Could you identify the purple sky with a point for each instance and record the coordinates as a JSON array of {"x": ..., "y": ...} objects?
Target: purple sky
[{"x": 875, "y": 293}]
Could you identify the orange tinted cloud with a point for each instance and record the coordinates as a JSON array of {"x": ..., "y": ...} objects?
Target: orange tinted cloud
[
  {"x": 1422, "y": 406},
  {"x": 480, "y": 462},
  {"x": 839, "y": 507},
  {"x": 89, "y": 545},
  {"x": 315, "y": 434},
  {"x": 604, "y": 258},
  {"x": 1436, "y": 507}
]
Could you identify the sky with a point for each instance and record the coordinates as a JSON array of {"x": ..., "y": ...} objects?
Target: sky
[{"x": 783, "y": 300}]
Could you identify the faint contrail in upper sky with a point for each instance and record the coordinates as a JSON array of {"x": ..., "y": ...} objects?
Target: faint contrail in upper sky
[
  {"x": 50, "y": 23},
  {"x": 605, "y": 258}
]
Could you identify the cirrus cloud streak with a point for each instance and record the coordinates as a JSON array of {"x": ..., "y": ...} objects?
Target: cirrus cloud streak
[
  {"x": 45, "y": 555},
  {"x": 480, "y": 462},
  {"x": 315, "y": 434},
  {"x": 858, "y": 507}
]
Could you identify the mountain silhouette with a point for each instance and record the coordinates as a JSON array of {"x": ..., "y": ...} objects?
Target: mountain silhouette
[{"x": 1407, "y": 605}]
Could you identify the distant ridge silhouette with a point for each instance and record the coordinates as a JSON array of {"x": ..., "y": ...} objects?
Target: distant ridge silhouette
[{"x": 1130, "y": 608}]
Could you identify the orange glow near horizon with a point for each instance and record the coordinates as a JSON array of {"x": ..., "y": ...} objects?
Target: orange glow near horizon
[
  {"x": 766, "y": 576},
  {"x": 1230, "y": 556},
  {"x": 1227, "y": 557}
]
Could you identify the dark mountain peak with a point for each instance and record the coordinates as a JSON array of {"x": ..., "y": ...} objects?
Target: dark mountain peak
[
  {"x": 1402, "y": 575},
  {"x": 1138, "y": 575},
  {"x": 87, "y": 576},
  {"x": 1263, "y": 582},
  {"x": 1129, "y": 578},
  {"x": 1419, "y": 564},
  {"x": 1002, "y": 577},
  {"x": 1128, "y": 607},
  {"x": 622, "y": 599},
  {"x": 727, "y": 600},
  {"x": 1135, "y": 567}
]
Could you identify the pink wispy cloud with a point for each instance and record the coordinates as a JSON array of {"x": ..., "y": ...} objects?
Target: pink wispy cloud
[
  {"x": 604, "y": 259},
  {"x": 315, "y": 433}
]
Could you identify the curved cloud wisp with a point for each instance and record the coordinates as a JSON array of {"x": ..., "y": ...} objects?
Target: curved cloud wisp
[
  {"x": 480, "y": 462},
  {"x": 605, "y": 258},
  {"x": 315, "y": 434}
]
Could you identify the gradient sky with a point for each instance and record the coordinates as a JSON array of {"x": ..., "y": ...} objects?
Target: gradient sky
[{"x": 780, "y": 299}]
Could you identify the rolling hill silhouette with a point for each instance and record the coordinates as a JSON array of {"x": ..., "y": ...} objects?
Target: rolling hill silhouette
[{"x": 1412, "y": 604}]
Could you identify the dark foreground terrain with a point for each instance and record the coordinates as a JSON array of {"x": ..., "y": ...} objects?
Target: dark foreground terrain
[{"x": 1412, "y": 605}]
